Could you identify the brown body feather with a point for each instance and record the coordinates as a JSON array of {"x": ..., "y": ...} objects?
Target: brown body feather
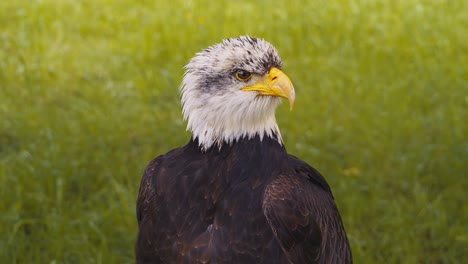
[{"x": 249, "y": 202}]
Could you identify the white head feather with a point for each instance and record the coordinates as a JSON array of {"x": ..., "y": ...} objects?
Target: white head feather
[{"x": 216, "y": 108}]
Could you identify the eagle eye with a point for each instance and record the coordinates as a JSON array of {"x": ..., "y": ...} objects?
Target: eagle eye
[{"x": 243, "y": 75}]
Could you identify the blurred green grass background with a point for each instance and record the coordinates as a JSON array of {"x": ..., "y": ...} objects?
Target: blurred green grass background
[{"x": 88, "y": 96}]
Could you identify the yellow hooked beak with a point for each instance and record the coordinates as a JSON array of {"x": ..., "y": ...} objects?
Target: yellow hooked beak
[{"x": 275, "y": 83}]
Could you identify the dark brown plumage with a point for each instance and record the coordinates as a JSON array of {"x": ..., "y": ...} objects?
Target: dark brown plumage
[{"x": 245, "y": 201}]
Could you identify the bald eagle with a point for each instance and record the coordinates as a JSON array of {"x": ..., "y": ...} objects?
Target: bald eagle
[{"x": 233, "y": 194}]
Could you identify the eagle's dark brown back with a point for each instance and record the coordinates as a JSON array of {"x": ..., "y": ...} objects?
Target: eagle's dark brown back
[{"x": 246, "y": 203}]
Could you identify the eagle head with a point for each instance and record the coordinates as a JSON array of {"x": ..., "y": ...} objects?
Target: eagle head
[{"x": 232, "y": 89}]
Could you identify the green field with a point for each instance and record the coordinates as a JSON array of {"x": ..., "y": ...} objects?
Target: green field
[{"x": 89, "y": 95}]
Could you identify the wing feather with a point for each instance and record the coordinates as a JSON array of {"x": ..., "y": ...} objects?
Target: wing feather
[
  {"x": 145, "y": 212},
  {"x": 301, "y": 211}
]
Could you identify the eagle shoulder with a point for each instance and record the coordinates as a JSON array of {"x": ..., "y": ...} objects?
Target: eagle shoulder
[
  {"x": 156, "y": 177},
  {"x": 301, "y": 211},
  {"x": 147, "y": 191},
  {"x": 144, "y": 210}
]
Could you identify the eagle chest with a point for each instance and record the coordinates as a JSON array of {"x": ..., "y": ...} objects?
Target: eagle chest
[{"x": 216, "y": 213}]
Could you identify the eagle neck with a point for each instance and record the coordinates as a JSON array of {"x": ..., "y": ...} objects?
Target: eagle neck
[{"x": 261, "y": 151}]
